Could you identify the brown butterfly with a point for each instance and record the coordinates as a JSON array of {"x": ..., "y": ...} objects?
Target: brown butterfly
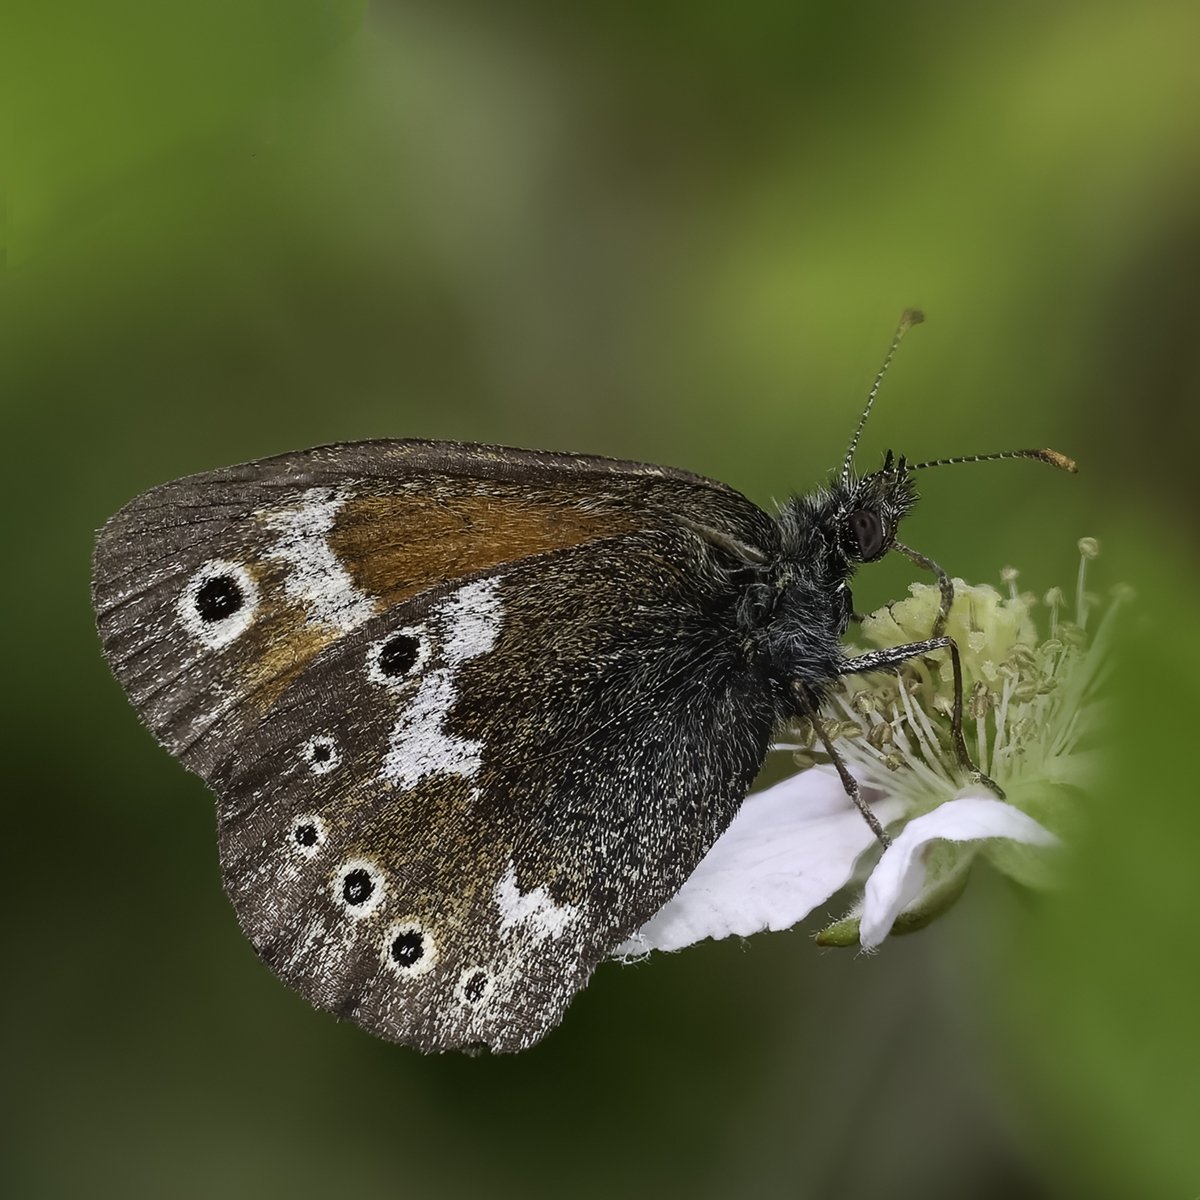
[{"x": 473, "y": 715}]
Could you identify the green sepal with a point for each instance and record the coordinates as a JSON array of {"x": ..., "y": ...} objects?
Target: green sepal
[
  {"x": 941, "y": 891},
  {"x": 841, "y": 933}
]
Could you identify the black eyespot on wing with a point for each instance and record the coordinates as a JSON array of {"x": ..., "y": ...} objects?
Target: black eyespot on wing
[
  {"x": 475, "y": 985},
  {"x": 357, "y": 886},
  {"x": 869, "y": 533},
  {"x": 398, "y": 655},
  {"x": 307, "y": 835},
  {"x": 407, "y": 948},
  {"x": 218, "y": 598},
  {"x": 321, "y": 754},
  {"x": 410, "y": 949}
]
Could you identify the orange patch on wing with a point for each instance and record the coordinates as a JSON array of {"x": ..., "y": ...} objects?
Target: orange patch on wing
[
  {"x": 395, "y": 546},
  {"x": 282, "y": 645}
]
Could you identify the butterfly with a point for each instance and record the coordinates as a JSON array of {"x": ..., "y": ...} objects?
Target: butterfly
[{"x": 472, "y": 715}]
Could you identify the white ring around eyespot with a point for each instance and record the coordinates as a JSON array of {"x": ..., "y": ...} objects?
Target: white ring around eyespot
[
  {"x": 297, "y": 847},
  {"x": 420, "y": 634},
  {"x": 429, "y": 953},
  {"x": 218, "y": 634},
  {"x": 373, "y": 901},
  {"x": 331, "y": 763}
]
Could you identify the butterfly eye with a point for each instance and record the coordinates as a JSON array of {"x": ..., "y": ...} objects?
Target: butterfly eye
[{"x": 870, "y": 533}]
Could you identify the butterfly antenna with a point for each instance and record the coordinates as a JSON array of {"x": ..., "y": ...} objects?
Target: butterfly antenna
[
  {"x": 908, "y": 318},
  {"x": 1052, "y": 457}
]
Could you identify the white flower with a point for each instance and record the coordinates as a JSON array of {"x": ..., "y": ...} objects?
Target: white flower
[
  {"x": 1031, "y": 711},
  {"x": 794, "y": 845},
  {"x": 787, "y": 851},
  {"x": 900, "y": 878}
]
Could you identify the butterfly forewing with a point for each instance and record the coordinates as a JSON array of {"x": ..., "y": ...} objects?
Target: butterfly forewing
[
  {"x": 472, "y": 715},
  {"x": 213, "y": 592}
]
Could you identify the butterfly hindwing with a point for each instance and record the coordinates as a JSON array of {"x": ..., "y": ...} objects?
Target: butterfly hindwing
[
  {"x": 455, "y": 812},
  {"x": 215, "y": 591}
]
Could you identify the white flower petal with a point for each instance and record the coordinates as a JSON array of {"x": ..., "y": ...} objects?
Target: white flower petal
[
  {"x": 788, "y": 850},
  {"x": 900, "y": 874}
]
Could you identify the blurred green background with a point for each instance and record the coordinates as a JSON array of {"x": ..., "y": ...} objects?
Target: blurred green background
[{"x": 674, "y": 232}]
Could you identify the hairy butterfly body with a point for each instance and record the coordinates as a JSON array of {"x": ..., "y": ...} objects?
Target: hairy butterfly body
[{"x": 472, "y": 715}]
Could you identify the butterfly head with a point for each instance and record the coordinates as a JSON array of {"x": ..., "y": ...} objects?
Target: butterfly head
[{"x": 865, "y": 511}]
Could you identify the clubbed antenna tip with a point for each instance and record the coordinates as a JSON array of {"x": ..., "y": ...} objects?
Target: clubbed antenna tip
[{"x": 1061, "y": 461}]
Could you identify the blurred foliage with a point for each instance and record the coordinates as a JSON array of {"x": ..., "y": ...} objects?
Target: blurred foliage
[{"x": 672, "y": 232}]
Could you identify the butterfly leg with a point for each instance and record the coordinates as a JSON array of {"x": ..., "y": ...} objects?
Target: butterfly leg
[
  {"x": 895, "y": 656},
  {"x": 848, "y": 780},
  {"x": 943, "y": 580}
]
